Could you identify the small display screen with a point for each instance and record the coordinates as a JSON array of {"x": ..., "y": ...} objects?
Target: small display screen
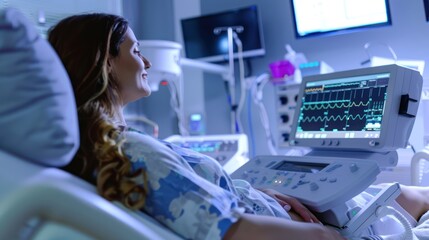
[{"x": 299, "y": 166}]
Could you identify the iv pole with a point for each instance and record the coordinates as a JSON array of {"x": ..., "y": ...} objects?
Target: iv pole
[{"x": 231, "y": 76}]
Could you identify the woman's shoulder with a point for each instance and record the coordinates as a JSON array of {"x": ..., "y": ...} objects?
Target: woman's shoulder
[
  {"x": 138, "y": 146},
  {"x": 135, "y": 138}
]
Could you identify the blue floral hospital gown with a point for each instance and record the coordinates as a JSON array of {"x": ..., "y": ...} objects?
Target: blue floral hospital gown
[{"x": 189, "y": 192}]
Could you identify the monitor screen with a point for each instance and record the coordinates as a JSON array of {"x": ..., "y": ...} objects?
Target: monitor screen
[
  {"x": 350, "y": 107},
  {"x": 321, "y": 17},
  {"x": 371, "y": 109},
  {"x": 202, "y": 43},
  {"x": 304, "y": 167}
]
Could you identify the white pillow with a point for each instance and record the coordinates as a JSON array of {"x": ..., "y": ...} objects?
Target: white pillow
[{"x": 38, "y": 117}]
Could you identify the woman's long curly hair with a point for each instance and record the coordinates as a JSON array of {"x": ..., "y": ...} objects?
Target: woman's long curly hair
[{"x": 84, "y": 43}]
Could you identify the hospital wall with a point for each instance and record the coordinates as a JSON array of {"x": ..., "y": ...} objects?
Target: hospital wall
[{"x": 408, "y": 36}]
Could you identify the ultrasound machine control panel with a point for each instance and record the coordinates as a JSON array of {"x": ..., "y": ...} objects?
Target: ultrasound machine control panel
[
  {"x": 320, "y": 183},
  {"x": 352, "y": 122},
  {"x": 324, "y": 185}
]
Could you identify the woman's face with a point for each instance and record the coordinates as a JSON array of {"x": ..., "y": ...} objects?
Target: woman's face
[{"x": 129, "y": 68}]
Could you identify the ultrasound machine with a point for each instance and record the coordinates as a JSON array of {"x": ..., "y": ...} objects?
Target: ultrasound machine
[{"x": 351, "y": 123}]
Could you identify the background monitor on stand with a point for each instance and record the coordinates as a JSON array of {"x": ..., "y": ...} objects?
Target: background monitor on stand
[{"x": 200, "y": 42}]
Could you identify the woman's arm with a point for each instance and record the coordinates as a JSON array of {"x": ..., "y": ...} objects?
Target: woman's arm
[
  {"x": 415, "y": 200},
  {"x": 291, "y": 205},
  {"x": 263, "y": 227}
]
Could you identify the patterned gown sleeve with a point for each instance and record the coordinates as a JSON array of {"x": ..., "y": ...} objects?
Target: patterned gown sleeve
[
  {"x": 185, "y": 202},
  {"x": 251, "y": 199}
]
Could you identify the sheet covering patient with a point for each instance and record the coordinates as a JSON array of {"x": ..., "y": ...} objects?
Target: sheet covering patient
[{"x": 184, "y": 190}]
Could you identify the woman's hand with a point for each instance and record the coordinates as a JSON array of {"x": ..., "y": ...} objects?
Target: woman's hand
[
  {"x": 290, "y": 203},
  {"x": 251, "y": 226}
]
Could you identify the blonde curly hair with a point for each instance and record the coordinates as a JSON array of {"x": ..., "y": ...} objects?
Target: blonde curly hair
[{"x": 84, "y": 43}]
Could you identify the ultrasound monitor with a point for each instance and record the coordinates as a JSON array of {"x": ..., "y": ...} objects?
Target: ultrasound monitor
[{"x": 369, "y": 109}]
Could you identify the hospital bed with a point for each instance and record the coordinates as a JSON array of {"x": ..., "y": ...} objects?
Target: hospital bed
[
  {"x": 39, "y": 202},
  {"x": 39, "y": 133}
]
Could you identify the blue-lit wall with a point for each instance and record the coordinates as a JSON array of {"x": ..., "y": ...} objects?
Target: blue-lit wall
[{"x": 153, "y": 20}]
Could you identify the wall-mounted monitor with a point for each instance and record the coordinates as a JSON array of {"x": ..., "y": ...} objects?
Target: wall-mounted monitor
[
  {"x": 202, "y": 43},
  {"x": 322, "y": 17}
]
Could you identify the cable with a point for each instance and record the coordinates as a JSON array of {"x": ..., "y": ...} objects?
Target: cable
[
  {"x": 257, "y": 93},
  {"x": 145, "y": 120},
  {"x": 176, "y": 105},
  {"x": 250, "y": 125},
  {"x": 249, "y": 68},
  {"x": 388, "y": 210},
  {"x": 411, "y": 146},
  {"x": 228, "y": 97},
  {"x": 242, "y": 83},
  {"x": 368, "y": 45},
  {"x": 383, "y": 211},
  {"x": 231, "y": 82}
]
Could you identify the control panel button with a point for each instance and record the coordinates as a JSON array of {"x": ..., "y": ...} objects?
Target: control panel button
[
  {"x": 302, "y": 182},
  {"x": 352, "y": 212},
  {"x": 263, "y": 179},
  {"x": 314, "y": 186},
  {"x": 253, "y": 180},
  {"x": 354, "y": 167},
  {"x": 332, "y": 180}
]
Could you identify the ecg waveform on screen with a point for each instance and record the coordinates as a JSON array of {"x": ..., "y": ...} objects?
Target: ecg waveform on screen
[
  {"x": 351, "y": 106},
  {"x": 335, "y": 105},
  {"x": 314, "y": 89},
  {"x": 334, "y": 118}
]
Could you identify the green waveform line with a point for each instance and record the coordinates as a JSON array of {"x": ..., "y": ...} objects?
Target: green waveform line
[
  {"x": 342, "y": 84},
  {"x": 335, "y": 118}
]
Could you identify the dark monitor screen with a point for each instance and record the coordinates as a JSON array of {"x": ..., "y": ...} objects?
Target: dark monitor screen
[
  {"x": 320, "y": 17},
  {"x": 305, "y": 167},
  {"x": 203, "y": 44},
  {"x": 426, "y": 5}
]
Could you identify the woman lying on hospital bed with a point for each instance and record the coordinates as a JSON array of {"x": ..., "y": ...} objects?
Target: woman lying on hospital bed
[{"x": 184, "y": 190}]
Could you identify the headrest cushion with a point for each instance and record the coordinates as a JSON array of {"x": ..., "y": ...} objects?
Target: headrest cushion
[{"x": 38, "y": 117}]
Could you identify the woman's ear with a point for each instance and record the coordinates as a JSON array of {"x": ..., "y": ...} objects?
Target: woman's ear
[{"x": 109, "y": 64}]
